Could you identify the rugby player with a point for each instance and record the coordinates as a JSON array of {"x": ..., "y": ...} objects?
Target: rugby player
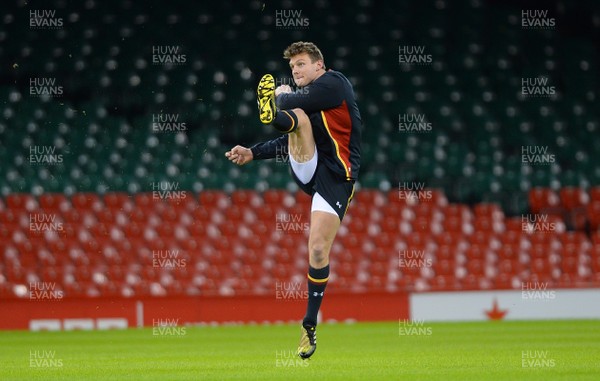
[{"x": 321, "y": 127}]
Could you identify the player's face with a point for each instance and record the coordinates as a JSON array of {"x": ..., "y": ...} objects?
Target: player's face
[{"x": 304, "y": 70}]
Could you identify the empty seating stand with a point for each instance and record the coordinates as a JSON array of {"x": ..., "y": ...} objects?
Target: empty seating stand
[
  {"x": 494, "y": 216},
  {"x": 217, "y": 243}
]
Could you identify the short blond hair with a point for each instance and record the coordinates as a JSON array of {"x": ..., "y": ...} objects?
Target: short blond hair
[{"x": 300, "y": 47}]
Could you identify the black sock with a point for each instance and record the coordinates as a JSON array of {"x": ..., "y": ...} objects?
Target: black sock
[
  {"x": 317, "y": 281},
  {"x": 285, "y": 121}
]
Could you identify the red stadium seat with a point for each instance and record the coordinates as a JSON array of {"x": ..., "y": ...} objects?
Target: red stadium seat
[
  {"x": 444, "y": 267},
  {"x": 148, "y": 201},
  {"x": 445, "y": 252},
  {"x": 105, "y": 216},
  {"x": 569, "y": 265},
  {"x": 133, "y": 231},
  {"x": 489, "y": 224},
  {"x": 72, "y": 217},
  {"x": 541, "y": 268},
  {"x": 9, "y": 217},
  {"x": 169, "y": 216},
  {"x": 417, "y": 240},
  {"x": 234, "y": 213},
  {"x": 488, "y": 210},
  {"x": 438, "y": 198},
  {"x": 369, "y": 197},
  {"x": 475, "y": 253},
  {"x": 515, "y": 224},
  {"x": 452, "y": 239},
  {"x": 217, "y": 199},
  {"x": 540, "y": 251},
  {"x": 118, "y": 201},
  {"x": 595, "y": 236},
  {"x": 595, "y": 259},
  {"x": 99, "y": 231},
  {"x": 453, "y": 224},
  {"x": 476, "y": 267},
  {"x": 503, "y": 281},
  {"x": 444, "y": 283},
  {"x": 572, "y": 198},
  {"x": 399, "y": 199},
  {"x": 406, "y": 282},
  {"x": 86, "y": 201},
  {"x": 595, "y": 193},
  {"x": 139, "y": 216},
  {"x": 274, "y": 197},
  {"x": 188, "y": 204},
  {"x": 543, "y": 200},
  {"x": 424, "y": 210},
  {"x": 390, "y": 225},
  {"x": 53, "y": 202},
  {"x": 303, "y": 200},
  {"x": 593, "y": 215},
  {"x": 577, "y": 219},
  {"x": 21, "y": 201},
  {"x": 376, "y": 283},
  {"x": 470, "y": 282},
  {"x": 165, "y": 231},
  {"x": 245, "y": 198},
  {"x": 510, "y": 266},
  {"x": 541, "y": 237},
  {"x": 461, "y": 211},
  {"x": 574, "y": 238}
]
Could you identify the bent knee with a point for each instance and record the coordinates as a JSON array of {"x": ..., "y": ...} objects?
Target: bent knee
[
  {"x": 299, "y": 112},
  {"x": 303, "y": 118},
  {"x": 319, "y": 252}
]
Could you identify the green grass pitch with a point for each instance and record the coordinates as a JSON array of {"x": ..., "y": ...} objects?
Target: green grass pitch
[{"x": 548, "y": 350}]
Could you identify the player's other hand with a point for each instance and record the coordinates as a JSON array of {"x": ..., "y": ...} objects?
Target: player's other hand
[
  {"x": 283, "y": 89},
  {"x": 239, "y": 155}
]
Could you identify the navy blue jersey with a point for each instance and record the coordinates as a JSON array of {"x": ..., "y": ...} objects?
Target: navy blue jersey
[{"x": 330, "y": 104}]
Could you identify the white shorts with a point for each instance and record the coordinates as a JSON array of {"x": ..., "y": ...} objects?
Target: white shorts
[{"x": 305, "y": 172}]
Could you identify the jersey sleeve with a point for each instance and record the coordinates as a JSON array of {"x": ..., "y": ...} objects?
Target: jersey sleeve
[
  {"x": 322, "y": 94},
  {"x": 270, "y": 149}
]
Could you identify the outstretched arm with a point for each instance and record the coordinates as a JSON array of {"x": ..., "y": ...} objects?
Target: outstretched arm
[
  {"x": 271, "y": 149},
  {"x": 267, "y": 150},
  {"x": 239, "y": 155}
]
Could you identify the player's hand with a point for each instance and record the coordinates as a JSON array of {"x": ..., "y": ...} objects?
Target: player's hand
[
  {"x": 239, "y": 155},
  {"x": 283, "y": 89}
]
